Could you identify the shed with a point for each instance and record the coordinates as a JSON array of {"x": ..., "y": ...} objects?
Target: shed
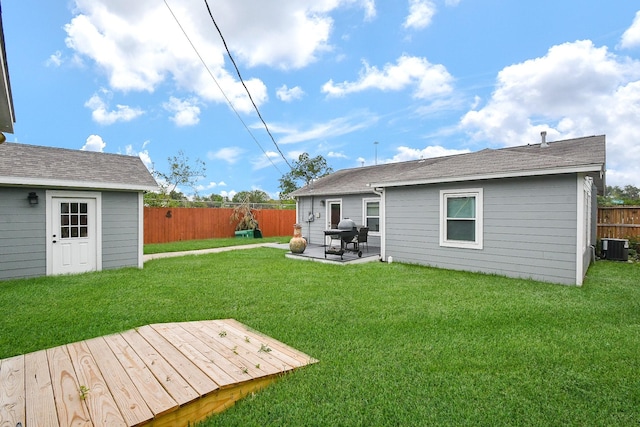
[
  {"x": 526, "y": 211},
  {"x": 69, "y": 211}
]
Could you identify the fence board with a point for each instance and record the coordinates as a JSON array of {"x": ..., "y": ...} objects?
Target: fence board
[
  {"x": 162, "y": 225},
  {"x": 619, "y": 222}
]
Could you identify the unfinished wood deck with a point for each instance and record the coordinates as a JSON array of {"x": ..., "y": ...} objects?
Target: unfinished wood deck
[{"x": 167, "y": 374}]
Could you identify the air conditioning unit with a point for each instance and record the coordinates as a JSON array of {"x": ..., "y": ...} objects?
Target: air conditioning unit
[{"x": 615, "y": 249}]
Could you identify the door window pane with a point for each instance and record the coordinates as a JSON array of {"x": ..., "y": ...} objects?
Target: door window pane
[{"x": 74, "y": 220}]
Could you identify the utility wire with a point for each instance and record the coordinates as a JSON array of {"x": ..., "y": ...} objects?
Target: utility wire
[
  {"x": 222, "y": 91},
  {"x": 245, "y": 86}
]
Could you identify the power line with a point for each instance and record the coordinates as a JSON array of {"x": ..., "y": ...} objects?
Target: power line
[
  {"x": 221, "y": 90},
  {"x": 245, "y": 86}
]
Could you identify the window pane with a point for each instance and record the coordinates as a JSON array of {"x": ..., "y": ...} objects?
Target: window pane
[
  {"x": 74, "y": 207},
  {"x": 84, "y": 231},
  {"x": 64, "y": 207},
  {"x": 83, "y": 208},
  {"x": 74, "y": 231},
  {"x": 464, "y": 230},
  {"x": 373, "y": 224},
  {"x": 64, "y": 232},
  {"x": 373, "y": 209},
  {"x": 74, "y": 219},
  {"x": 461, "y": 207},
  {"x": 83, "y": 219},
  {"x": 64, "y": 219}
]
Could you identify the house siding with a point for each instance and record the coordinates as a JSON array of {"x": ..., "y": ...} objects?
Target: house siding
[
  {"x": 529, "y": 228},
  {"x": 22, "y": 234},
  {"x": 351, "y": 208},
  {"x": 119, "y": 230}
]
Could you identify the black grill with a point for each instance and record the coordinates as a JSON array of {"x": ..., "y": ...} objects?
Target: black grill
[{"x": 346, "y": 231}]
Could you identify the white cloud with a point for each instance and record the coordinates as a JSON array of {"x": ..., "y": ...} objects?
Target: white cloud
[
  {"x": 228, "y": 154},
  {"x": 420, "y": 14},
  {"x": 452, "y": 3},
  {"x": 336, "y": 155},
  {"x": 406, "y": 153},
  {"x": 139, "y": 46},
  {"x": 143, "y": 154},
  {"x": 330, "y": 129},
  {"x": 428, "y": 80},
  {"x": 287, "y": 95},
  {"x": 55, "y": 59},
  {"x": 267, "y": 160},
  {"x": 576, "y": 89},
  {"x": 101, "y": 114},
  {"x": 631, "y": 37},
  {"x": 94, "y": 143},
  {"x": 186, "y": 112}
]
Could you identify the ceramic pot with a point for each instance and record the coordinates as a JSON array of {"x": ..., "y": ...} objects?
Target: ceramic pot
[{"x": 297, "y": 244}]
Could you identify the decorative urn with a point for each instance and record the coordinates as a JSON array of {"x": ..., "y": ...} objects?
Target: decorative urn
[{"x": 297, "y": 244}]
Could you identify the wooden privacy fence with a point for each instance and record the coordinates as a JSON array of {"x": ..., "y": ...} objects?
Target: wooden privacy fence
[
  {"x": 619, "y": 222},
  {"x": 162, "y": 225}
]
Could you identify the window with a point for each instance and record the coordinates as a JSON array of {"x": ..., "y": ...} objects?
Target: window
[
  {"x": 371, "y": 214},
  {"x": 461, "y": 218},
  {"x": 73, "y": 220}
]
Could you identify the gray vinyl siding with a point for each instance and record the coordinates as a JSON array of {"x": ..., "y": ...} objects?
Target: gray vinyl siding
[
  {"x": 351, "y": 208},
  {"x": 119, "y": 230},
  {"x": 529, "y": 228},
  {"x": 22, "y": 234}
]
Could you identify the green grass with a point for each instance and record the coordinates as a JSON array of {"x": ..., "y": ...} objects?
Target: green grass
[
  {"x": 191, "y": 245},
  {"x": 399, "y": 345}
]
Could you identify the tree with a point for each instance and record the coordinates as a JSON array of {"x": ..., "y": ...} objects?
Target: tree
[
  {"x": 181, "y": 172},
  {"x": 303, "y": 172},
  {"x": 255, "y": 196}
]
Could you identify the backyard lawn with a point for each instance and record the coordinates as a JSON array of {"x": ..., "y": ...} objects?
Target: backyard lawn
[{"x": 398, "y": 344}]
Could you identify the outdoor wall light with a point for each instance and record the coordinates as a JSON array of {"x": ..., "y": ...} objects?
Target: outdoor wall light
[
  {"x": 33, "y": 198},
  {"x": 322, "y": 202}
]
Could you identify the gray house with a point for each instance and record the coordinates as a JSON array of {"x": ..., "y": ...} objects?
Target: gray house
[
  {"x": 526, "y": 211},
  {"x": 69, "y": 211}
]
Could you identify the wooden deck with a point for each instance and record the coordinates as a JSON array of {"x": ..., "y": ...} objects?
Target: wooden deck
[{"x": 167, "y": 374}]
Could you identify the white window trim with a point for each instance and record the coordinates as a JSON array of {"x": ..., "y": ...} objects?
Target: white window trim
[
  {"x": 364, "y": 213},
  {"x": 466, "y": 192}
]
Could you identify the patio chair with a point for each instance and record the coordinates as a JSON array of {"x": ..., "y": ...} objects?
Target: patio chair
[{"x": 360, "y": 238}]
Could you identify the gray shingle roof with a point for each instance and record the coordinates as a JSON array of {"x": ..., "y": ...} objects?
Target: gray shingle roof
[
  {"x": 569, "y": 156},
  {"x": 22, "y": 164}
]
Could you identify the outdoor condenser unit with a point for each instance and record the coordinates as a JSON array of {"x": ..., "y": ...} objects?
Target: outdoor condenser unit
[{"x": 615, "y": 249}]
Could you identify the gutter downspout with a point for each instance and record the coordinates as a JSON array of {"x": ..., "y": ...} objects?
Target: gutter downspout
[{"x": 383, "y": 215}]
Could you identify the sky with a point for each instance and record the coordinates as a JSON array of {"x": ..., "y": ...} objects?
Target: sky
[{"x": 359, "y": 82}]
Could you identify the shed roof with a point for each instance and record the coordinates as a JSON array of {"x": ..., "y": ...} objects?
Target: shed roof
[
  {"x": 32, "y": 165},
  {"x": 585, "y": 154},
  {"x": 7, "y": 117}
]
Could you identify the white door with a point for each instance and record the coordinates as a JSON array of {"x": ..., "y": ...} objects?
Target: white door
[
  {"x": 73, "y": 239},
  {"x": 333, "y": 216}
]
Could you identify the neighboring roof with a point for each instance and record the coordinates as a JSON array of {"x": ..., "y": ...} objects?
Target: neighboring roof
[
  {"x": 569, "y": 156},
  {"x": 7, "y": 117},
  {"x": 36, "y": 166}
]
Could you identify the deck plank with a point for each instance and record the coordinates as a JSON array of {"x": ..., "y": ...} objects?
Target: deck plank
[
  {"x": 66, "y": 391},
  {"x": 225, "y": 359},
  {"x": 190, "y": 350},
  {"x": 96, "y": 395},
  {"x": 156, "y": 397},
  {"x": 288, "y": 357},
  {"x": 129, "y": 400},
  {"x": 260, "y": 363},
  {"x": 11, "y": 391},
  {"x": 167, "y": 376},
  {"x": 201, "y": 383},
  {"x": 38, "y": 388},
  {"x": 158, "y": 376}
]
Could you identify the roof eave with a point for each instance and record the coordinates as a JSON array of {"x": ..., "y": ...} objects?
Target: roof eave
[
  {"x": 480, "y": 177},
  {"x": 56, "y": 183}
]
